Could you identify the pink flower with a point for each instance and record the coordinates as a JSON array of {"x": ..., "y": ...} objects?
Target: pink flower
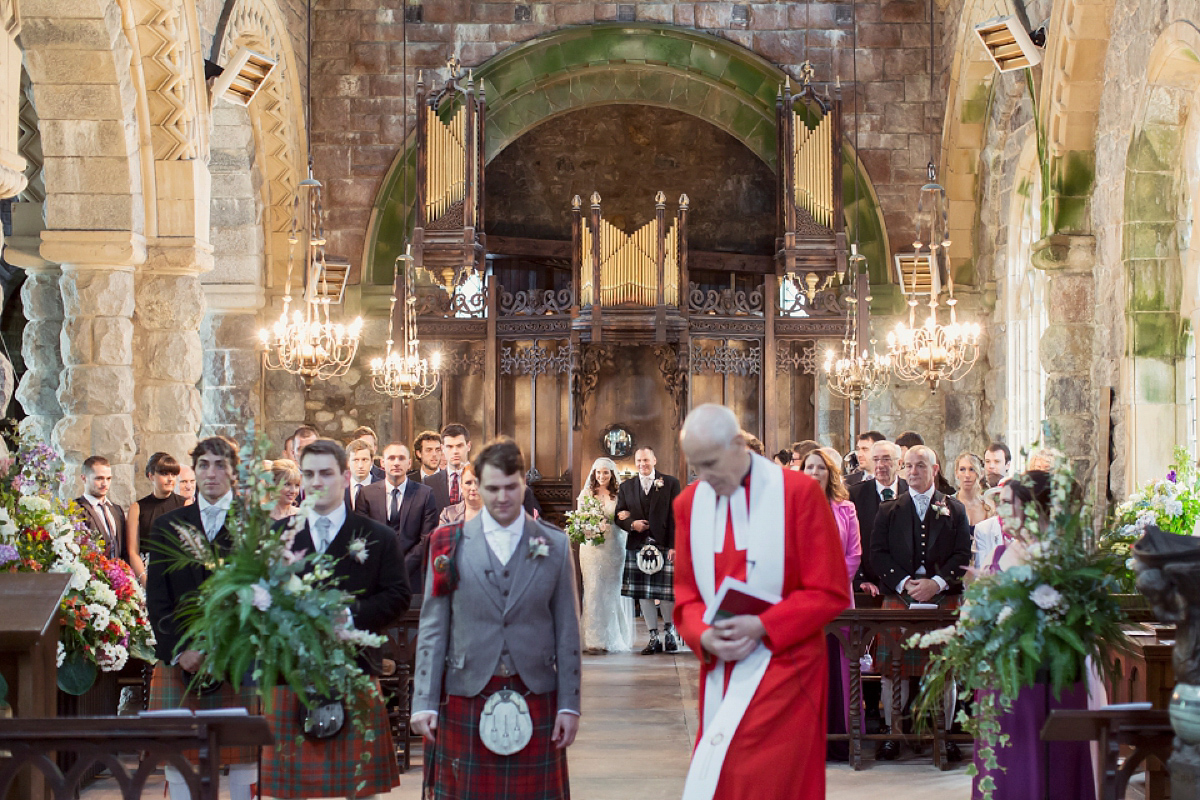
[
  {"x": 262, "y": 597},
  {"x": 292, "y": 556}
]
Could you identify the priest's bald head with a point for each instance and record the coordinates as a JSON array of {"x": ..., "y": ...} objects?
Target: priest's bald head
[{"x": 715, "y": 447}]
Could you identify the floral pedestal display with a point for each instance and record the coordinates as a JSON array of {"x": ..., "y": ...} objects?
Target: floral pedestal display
[{"x": 1168, "y": 567}]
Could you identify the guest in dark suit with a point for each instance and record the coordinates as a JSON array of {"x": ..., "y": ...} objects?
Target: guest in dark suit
[
  {"x": 368, "y": 436},
  {"x": 920, "y": 550},
  {"x": 427, "y": 456},
  {"x": 867, "y": 497},
  {"x": 862, "y": 452},
  {"x": 447, "y": 483},
  {"x": 367, "y": 564},
  {"x": 407, "y": 507},
  {"x": 644, "y": 512},
  {"x": 214, "y": 461},
  {"x": 362, "y": 474},
  {"x": 105, "y": 519}
]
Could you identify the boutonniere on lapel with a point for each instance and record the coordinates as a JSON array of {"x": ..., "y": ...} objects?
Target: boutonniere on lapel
[
  {"x": 940, "y": 509},
  {"x": 539, "y": 547},
  {"x": 658, "y": 483},
  {"x": 358, "y": 549}
]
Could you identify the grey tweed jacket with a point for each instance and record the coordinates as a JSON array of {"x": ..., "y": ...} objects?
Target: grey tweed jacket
[{"x": 462, "y": 636}]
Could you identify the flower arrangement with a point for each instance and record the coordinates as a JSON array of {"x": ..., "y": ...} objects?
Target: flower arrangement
[
  {"x": 1040, "y": 620},
  {"x": 102, "y": 617},
  {"x": 269, "y": 615},
  {"x": 588, "y": 523},
  {"x": 1172, "y": 503}
]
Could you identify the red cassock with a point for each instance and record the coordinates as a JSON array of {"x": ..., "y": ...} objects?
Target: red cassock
[{"x": 778, "y": 752}]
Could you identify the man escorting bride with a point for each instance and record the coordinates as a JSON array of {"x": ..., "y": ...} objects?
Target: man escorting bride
[{"x": 607, "y": 616}]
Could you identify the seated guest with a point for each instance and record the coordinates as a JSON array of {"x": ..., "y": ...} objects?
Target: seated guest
[
  {"x": 185, "y": 487},
  {"x": 162, "y": 470},
  {"x": 472, "y": 502},
  {"x": 287, "y": 482},
  {"x": 1026, "y": 761},
  {"x": 407, "y": 507},
  {"x": 920, "y": 549},
  {"x": 362, "y": 471},
  {"x": 105, "y": 520},
  {"x": 368, "y": 436},
  {"x": 428, "y": 452}
]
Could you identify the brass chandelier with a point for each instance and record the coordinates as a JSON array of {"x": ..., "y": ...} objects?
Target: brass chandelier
[
  {"x": 402, "y": 373},
  {"x": 853, "y": 374}
]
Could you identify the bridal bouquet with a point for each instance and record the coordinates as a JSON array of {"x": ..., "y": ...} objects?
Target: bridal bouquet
[
  {"x": 1172, "y": 503},
  {"x": 262, "y": 616},
  {"x": 1032, "y": 623},
  {"x": 102, "y": 618},
  {"x": 588, "y": 523}
]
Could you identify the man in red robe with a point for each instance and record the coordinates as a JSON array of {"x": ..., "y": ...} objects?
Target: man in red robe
[{"x": 764, "y": 677}]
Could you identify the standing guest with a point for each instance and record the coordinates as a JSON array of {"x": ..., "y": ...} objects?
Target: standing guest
[
  {"x": 762, "y": 677},
  {"x": 997, "y": 462},
  {"x": 499, "y": 617},
  {"x": 644, "y": 513},
  {"x": 607, "y": 620},
  {"x": 1026, "y": 761},
  {"x": 1041, "y": 460},
  {"x": 162, "y": 470},
  {"x": 407, "y": 507},
  {"x": 325, "y": 767},
  {"x": 910, "y": 439},
  {"x": 968, "y": 472},
  {"x": 471, "y": 503},
  {"x": 368, "y": 436},
  {"x": 214, "y": 461},
  {"x": 754, "y": 443},
  {"x": 185, "y": 486},
  {"x": 783, "y": 458},
  {"x": 920, "y": 548},
  {"x": 822, "y": 466},
  {"x": 446, "y": 483},
  {"x": 105, "y": 520},
  {"x": 428, "y": 450},
  {"x": 867, "y": 497},
  {"x": 289, "y": 448},
  {"x": 302, "y": 438},
  {"x": 287, "y": 481},
  {"x": 362, "y": 475},
  {"x": 800, "y": 450},
  {"x": 863, "y": 446}
]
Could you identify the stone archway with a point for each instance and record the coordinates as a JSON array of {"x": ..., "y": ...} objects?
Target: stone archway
[{"x": 714, "y": 79}]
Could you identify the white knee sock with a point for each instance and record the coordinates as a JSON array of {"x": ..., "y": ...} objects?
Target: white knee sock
[
  {"x": 887, "y": 700},
  {"x": 176, "y": 786},
  {"x": 241, "y": 778},
  {"x": 649, "y": 613}
]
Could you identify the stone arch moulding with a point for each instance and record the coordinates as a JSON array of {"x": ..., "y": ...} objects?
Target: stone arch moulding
[
  {"x": 649, "y": 64},
  {"x": 1154, "y": 216}
]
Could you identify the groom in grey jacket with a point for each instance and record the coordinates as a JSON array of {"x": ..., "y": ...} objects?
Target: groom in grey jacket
[{"x": 500, "y": 621}]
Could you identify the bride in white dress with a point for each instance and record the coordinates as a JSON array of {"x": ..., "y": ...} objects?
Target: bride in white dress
[{"x": 607, "y": 616}]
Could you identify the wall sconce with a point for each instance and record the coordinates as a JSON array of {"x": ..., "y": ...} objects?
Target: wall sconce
[{"x": 1008, "y": 45}]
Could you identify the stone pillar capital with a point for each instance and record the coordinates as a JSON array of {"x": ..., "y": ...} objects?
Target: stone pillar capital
[
  {"x": 1065, "y": 252},
  {"x": 116, "y": 250},
  {"x": 234, "y": 298},
  {"x": 178, "y": 256}
]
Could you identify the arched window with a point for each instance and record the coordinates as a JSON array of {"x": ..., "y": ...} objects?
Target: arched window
[{"x": 1025, "y": 313}]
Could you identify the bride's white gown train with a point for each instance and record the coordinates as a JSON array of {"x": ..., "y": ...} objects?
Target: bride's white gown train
[{"x": 607, "y": 616}]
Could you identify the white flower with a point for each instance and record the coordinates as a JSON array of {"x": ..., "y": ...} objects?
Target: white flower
[
  {"x": 34, "y": 503},
  {"x": 79, "y": 576},
  {"x": 938, "y": 637},
  {"x": 100, "y": 616},
  {"x": 358, "y": 550},
  {"x": 1146, "y": 518},
  {"x": 62, "y": 654},
  {"x": 294, "y": 585},
  {"x": 102, "y": 593},
  {"x": 1173, "y": 508},
  {"x": 1004, "y": 614},
  {"x": 1046, "y": 597},
  {"x": 111, "y": 657},
  {"x": 262, "y": 597}
]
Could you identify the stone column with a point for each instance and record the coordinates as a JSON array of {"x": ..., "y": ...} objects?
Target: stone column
[
  {"x": 42, "y": 302},
  {"x": 1066, "y": 344},
  {"x": 96, "y": 390},
  {"x": 168, "y": 354},
  {"x": 232, "y": 364}
]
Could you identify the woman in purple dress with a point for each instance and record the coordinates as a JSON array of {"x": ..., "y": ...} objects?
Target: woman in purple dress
[{"x": 1031, "y": 767}]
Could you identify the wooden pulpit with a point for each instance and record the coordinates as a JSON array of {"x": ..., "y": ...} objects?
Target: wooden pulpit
[{"x": 28, "y": 650}]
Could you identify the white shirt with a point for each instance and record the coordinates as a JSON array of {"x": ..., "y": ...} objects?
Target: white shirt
[
  {"x": 219, "y": 520},
  {"x": 337, "y": 518},
  {"x": 503, "y": 539},
  {"x": 928, "y": 495},
  {"x": 387, "y": 509},
  {"x": 879, "y": 487},
  {"x": 109, "y": 519},
  {"x": 647, "y": 481}
]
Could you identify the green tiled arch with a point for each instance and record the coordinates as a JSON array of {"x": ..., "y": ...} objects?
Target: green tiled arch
[{"x": 595, "y": 65}]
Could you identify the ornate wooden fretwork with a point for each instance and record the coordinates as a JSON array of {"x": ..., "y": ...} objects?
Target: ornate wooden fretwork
[
  {"x": 796, "y": 357},
  {"x": 726, "y": 360},
  {"x": 535, "y": 302},
  {"x": 673, "y": 364},
  {"x": 468, "y": 362},
  {"x": 725, "y": 302},
  {"x": 537, "y": 360},
  {"x": 590, "y": 359}
]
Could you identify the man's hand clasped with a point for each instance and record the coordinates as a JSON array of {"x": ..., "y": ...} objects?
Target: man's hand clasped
[
  {"x": 922, "y": 589},
  {"x": 191, "y": 660},
  {"x": 735, "y": 638}
]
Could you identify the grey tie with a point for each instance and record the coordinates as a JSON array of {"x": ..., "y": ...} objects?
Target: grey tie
[
  {"x": 322, "y": 541},
  {"x": 922, "y": 505},
  {"x": 212, "y": 525}
]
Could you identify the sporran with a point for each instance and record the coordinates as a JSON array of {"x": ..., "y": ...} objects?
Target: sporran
[
  {"x": 650, "y": 560},
  {"x": 505, "y": 726}
]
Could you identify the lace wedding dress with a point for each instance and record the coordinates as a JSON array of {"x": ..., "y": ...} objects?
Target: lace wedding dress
[{"x": 607, "y": 616}]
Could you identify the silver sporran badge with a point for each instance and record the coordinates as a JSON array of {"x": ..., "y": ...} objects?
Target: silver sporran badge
[
  {"x": 505, "y": 725},
  {"x": 650, "y": 559}
]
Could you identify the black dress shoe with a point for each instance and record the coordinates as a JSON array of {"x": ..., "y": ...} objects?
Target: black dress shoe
[
  {"x": 670, "y": 642},
  {"x": 953, "y": 754},
  {"x": 888, "y": 751},
  {"x": 655, "y": 646}
]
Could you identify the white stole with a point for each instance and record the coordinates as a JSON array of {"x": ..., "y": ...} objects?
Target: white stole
[{"x": 760, "y": 532}]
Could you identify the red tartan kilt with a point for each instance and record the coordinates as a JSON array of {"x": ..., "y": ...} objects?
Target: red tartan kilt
[
  {"x": 168, "y": 691},
  {"x": 913, "y": 662},
  {"x": 298, "y": 766},
  {"x": 461, "y": 768}
]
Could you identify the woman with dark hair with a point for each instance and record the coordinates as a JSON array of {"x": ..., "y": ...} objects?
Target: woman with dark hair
[
  {"x": 1026, "y": 760},
  {"x": 607, "y": 620},
  {"x": 162, "y": 470},
  {"x": 824, "y": 466}
]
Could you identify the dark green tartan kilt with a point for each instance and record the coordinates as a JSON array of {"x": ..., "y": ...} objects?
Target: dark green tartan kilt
[
  {"x": 297, "y": 766},
  {"x": 913, "y": 661},
  {"x": 638, "y": 585},
  {"x": 459, "y": 767},
  {"x": 168, "y": 691}
]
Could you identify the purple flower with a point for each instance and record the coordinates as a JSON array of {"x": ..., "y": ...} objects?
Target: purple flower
[
  {"x": 1172, "y": 476},
  {"x": 7, "y": 553}
]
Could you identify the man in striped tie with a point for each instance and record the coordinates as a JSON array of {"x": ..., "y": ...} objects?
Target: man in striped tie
[{"x": 104, "y": 519}]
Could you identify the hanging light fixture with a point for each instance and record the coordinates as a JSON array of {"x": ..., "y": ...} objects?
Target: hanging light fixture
[
  {"x": 306, "y": 341},
  {"x": 931, "y": 352},
  {"x": 402, "y": 373}
]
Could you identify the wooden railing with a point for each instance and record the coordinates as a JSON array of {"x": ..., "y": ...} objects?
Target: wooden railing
[{"x": 31, "y": 744}]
